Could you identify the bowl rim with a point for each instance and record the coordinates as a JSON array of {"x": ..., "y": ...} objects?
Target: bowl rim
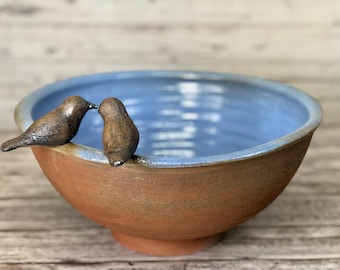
[{"x": 23, "y": 116}]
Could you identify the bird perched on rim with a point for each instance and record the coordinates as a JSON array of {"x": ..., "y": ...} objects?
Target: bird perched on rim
[
  {"x": 120, "y": 135},
  {"x": 57, "y": 127}
]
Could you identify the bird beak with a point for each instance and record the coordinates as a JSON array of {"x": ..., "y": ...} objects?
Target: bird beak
[{"x": 92, "y": 106}]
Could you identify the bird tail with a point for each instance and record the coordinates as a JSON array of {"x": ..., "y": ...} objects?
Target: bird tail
[{"x": 13, "y": 144}]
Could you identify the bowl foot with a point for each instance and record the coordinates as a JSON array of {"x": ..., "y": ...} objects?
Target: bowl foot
[{"x": 166, "y": 247}]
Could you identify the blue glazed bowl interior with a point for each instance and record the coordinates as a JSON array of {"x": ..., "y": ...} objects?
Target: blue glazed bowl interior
[{"x": 189, "y": 118}]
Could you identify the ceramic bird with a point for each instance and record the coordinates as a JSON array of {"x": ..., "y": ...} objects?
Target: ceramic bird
[
  {"x": 120, "y": 135},
  {"x": 57, "y": 127}
]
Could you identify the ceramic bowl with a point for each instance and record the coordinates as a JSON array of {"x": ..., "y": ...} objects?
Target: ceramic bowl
[{"x": 215, "y": 149}]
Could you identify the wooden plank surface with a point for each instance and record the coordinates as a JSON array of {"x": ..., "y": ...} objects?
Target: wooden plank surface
[
  {"x": 292, "y": 41},
  {"x": 188, "y": 11}
]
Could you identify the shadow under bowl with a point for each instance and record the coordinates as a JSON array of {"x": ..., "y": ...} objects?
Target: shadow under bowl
[{"x": 215, "y": 149}]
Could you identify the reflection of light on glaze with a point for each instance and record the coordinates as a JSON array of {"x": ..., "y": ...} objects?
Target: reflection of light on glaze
[
  {"x": 190, "y": 76},
  {"x": 211, "y": 142},
  {"x": 170, "y": 135},
  {"x": 211, "y": 117},
  {"x": 131, "y": 102},
  {"x": 190, "y": 129},
  {"x": 189, "y": 116},
  {"x": 173, "y": 144},
  {"x": 189, "y": 88},
  {"x": 211, "y": 130},
  {"x": 167, "y": 125},
  {"x": 188, "y": 103},
  {"x": 168, "y": 112},
  {"x": 168, "y": 98},
  {"x": 186, "y": 120},
  {"x": 214, "y": 100},
  {"x": 184, "y": 153}
]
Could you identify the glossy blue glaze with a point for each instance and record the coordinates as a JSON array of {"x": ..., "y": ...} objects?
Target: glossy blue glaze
[{"x": 185, "y": 118}]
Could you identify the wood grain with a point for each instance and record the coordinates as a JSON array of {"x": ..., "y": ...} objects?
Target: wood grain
[
  {"x": 292, "y": 41},
  {"x": 150, "y": 12}
]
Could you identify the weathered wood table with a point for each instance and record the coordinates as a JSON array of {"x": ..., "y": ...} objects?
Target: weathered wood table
[{"x": 296, "y": 42}]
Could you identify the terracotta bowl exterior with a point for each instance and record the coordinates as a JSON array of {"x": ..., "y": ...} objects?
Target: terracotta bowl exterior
[{"x": 178, "y": 204}]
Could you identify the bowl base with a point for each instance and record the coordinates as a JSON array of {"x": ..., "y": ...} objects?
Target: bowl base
[{"x": 166, "y": 247}]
